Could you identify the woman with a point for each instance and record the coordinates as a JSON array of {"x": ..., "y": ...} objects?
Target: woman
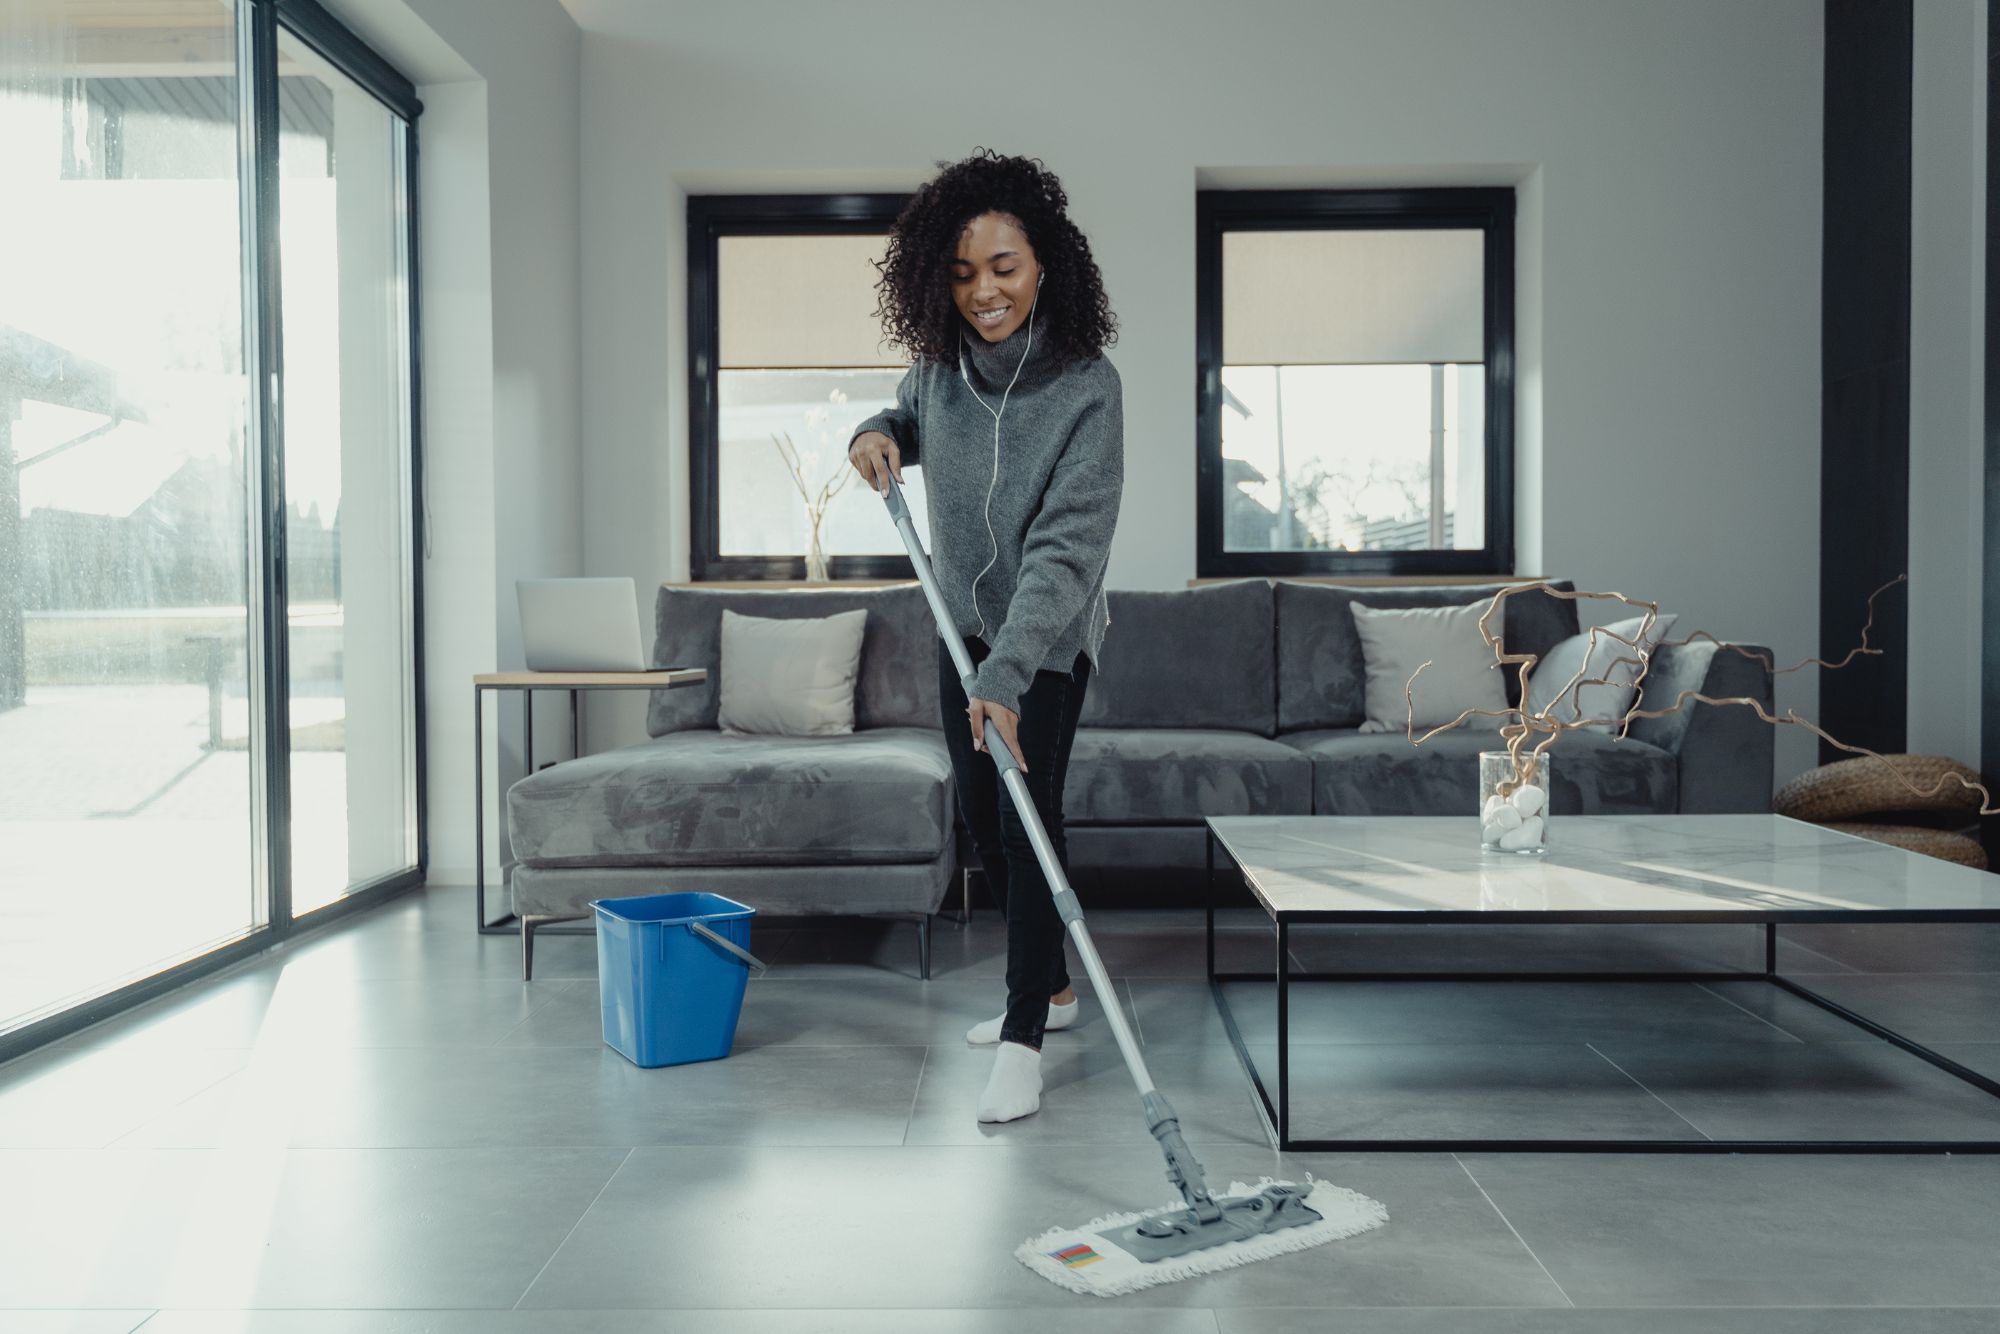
[{"x": 1017, "y": 419}]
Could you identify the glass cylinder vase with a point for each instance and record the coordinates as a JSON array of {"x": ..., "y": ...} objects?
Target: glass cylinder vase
[
  {"x": 1513, "y": 804},
  {"x": 816, "y": 571}
]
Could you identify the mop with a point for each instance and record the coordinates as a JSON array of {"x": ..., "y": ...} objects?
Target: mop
[{"x": 1199, "y": 1233}]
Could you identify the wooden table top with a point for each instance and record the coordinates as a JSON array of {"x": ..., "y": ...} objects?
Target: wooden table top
[{"x": 664, "y": 678}]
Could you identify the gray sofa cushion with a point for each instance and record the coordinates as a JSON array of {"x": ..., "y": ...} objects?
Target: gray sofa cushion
[
  {"x": 1165, "y": 774},
  {"x": 704, "y": 799},
  {"x": 1322, "y": 675},
  {"x": 1383, "y": 774},
  {"x": 898, "y": 683},
  {"x": 1200, "y": 657}
]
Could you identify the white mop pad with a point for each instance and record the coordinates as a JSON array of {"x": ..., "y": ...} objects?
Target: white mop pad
[{"x": 1083, "y": 1260}]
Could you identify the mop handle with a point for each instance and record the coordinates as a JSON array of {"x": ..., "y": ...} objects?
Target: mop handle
[
  {"x": 1010, "y": 774},
  {"x": 1182, "y": 1169}
]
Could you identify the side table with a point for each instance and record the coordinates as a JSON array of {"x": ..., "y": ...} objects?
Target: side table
[{"x": 664, "y": 678}]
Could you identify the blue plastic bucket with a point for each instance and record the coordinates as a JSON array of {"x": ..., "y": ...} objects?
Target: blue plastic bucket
[{"x": 670, "y": 993}]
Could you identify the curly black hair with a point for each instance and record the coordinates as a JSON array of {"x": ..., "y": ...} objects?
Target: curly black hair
[{"x": 917, "y": 311}]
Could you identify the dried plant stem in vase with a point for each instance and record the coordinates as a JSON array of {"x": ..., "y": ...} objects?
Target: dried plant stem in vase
[{"x": 801, "y": 465}]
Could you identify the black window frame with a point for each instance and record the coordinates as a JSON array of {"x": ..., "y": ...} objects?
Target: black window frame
[
  {"x": 312, "y": 24},
  {"x": 1490, "y": 209},
  {"x": 710, "y": 218}
]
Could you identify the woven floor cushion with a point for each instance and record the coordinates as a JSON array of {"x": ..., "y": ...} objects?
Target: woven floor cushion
[
  {"x": 1931, "y": 842},
  {"x": 1866, "y": 785}
]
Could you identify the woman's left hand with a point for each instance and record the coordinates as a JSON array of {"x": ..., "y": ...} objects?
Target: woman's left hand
[{"x": 1008, "y": 721}]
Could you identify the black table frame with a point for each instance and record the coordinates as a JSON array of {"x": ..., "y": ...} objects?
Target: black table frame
[
  {"x": 510, "y": 925},
  {"x": 1276, "y": 1112}
]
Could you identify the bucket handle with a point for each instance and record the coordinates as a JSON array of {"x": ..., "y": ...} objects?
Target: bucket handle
[{"x": 730, "y": 945}]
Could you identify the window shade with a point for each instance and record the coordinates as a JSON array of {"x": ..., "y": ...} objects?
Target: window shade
[
  {"x": 788, "y": 302},
  {"x": 1342, "y": 297}
]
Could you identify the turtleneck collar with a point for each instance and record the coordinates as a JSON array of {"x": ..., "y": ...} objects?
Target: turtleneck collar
[{"x": 993, "y": 364}]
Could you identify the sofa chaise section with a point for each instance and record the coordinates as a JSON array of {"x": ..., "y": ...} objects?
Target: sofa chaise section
[{"x": 860, "y": 823}]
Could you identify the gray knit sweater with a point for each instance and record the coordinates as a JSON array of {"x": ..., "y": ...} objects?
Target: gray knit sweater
[{"x": 1034, "y": 588}]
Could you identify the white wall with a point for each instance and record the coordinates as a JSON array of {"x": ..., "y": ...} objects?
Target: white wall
[
  {"x": 1667, "y": 160},
  {"x": 500, "y": 200},
  {"x": 1947, "y": 375},
  {"x": 460, "y": 610},
  {"x": 1668, "y": 157}
]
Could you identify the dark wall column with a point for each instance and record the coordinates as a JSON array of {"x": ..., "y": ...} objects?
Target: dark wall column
[{"x": 1865, "y": 370}]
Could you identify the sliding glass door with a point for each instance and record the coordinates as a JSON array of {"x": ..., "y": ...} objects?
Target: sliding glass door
[
  {"x": 126, "y": 742},
  {"x": 346, "y": 472},
  {"x": 160, "y": 512}
]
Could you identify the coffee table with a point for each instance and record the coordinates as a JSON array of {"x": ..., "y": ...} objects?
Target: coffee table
[{"x": 1751, "y": 869}]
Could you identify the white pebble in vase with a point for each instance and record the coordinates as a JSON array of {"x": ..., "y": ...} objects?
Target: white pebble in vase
[
  {"x": 1528, "y": 834},
  {"x": 1528, "y": 801}
]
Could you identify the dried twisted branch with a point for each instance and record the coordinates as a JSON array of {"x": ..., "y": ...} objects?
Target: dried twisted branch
[
  {"x": 1792, "y": 718},
  {"x": 796, "y": 467},
  {"x": 1526, "y": 767},
  {"x": 1863, "y": 649},
  {"x": 815, "y": 506}
]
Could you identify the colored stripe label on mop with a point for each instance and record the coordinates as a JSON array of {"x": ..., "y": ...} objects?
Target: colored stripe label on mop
[{"x": 1075, "y": 1257}]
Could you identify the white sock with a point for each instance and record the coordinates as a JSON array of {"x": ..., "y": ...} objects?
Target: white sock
[
  {"x": 987, "y": 1031},
  {"x": 1015, "y": 1087}
]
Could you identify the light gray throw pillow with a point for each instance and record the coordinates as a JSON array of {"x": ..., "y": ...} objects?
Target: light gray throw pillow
[
  {"x": 1461, "y": 675},
  {"x": 1595, "y": 702},
  {"x": 789, "y": 676}
]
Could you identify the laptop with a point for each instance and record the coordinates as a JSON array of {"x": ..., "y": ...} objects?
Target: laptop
[{"x": 580, "y": 625}]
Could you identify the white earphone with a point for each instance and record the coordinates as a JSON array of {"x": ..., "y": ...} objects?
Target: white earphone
[{"x": 990, "y": 536}]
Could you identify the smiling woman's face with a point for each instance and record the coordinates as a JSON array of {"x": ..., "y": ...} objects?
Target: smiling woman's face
[{"x": 995, "y": 270}]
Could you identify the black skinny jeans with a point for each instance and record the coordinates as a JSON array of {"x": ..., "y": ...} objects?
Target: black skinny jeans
[{"x": 1036, "y": 964}]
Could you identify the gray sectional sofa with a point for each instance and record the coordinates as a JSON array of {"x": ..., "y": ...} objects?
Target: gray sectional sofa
[{"x": 1235, "y": 698}]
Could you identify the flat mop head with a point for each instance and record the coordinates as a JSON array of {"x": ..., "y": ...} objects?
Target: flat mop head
[{"x": 1123, "y": 1253}]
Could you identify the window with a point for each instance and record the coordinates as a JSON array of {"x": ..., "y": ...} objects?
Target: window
[
  {"x": 786, "y": 358},
  {"x": 347, "y": 444},
  {"x": 1355, "y": 353},
  {"x": 209, "y": 681}
]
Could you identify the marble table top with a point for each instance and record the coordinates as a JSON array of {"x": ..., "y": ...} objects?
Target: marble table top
[{"x": 1599, "y": 868}]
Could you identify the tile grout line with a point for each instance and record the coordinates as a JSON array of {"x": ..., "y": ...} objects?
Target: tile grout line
[
  {"x": 1649, "y": 1092},
  {"x": 1758, "y": 1017},
  {"x": 1491, "y": 1203},
  {"x": 249, "y": 1059},
  {"x": 568, "y": 985},
  {"x": 572, "y": 1228},
  {"x": 1846, "y": 968},
  {"x": 923, "y": 1064}
]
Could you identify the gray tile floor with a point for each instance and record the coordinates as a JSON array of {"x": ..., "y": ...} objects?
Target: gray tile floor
[{"x": 379, "y": 1128}]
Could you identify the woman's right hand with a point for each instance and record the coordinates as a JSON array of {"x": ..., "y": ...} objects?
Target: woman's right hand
[{"x": 876, "y": 457}]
